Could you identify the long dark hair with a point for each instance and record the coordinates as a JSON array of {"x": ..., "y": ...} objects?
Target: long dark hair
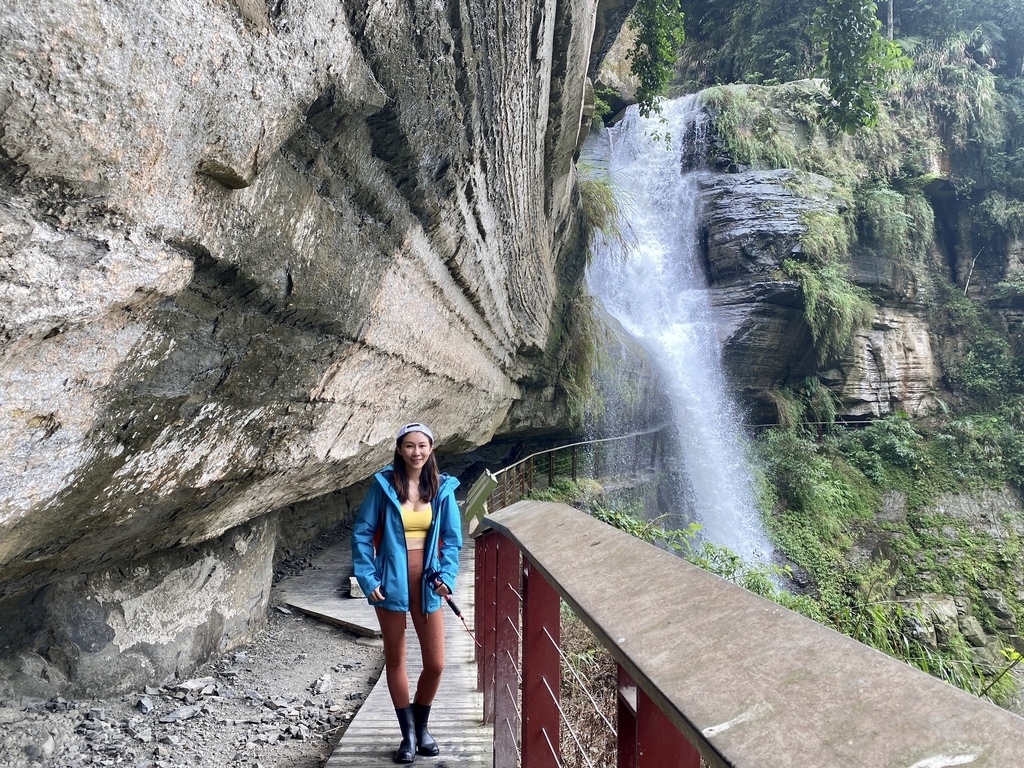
[{"x": 430, "y": 477}]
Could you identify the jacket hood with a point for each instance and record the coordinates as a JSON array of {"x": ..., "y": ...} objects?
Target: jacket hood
[{"x": 447, "y": 483}]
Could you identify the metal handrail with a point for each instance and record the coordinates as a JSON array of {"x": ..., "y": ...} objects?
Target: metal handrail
[
  {"x": 495, "y": 491},
  {"x": 652, "y": 431},
  {"x": 482, "y": 493}
]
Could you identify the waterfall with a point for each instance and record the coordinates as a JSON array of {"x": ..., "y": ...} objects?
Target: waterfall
[{"x": 656, "y": 287}]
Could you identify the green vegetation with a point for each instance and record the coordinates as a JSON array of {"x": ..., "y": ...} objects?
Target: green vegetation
[
  {"x": 897, "y": 225},
  {"x": 877, "y": 578},
  {"x": 749, "y": 128},
  {"x": 826, "y": 492},
  {"x": 628, "y": 517},
  {"x": 583, "y": 356},
  {"x": 604, "y": 97},
  {"x": 983, "y": 366},
  {"x": 659, "y": 34},
  {"x": 927, "y": 202},
  {"x": 857, "y": 61},
  {"x": 602, "y": 215},
  {"x": 835, "y": 308}
]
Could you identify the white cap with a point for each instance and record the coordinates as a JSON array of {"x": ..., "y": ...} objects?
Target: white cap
[{"x": 415, "y": 427}]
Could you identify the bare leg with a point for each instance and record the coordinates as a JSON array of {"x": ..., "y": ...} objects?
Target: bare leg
[{"x": 430, "y": 631}]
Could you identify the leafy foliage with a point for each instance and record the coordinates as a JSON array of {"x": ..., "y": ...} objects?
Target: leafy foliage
[
  {"x": 961, "y": 93},
  {"x": 983, "y": 365},
  {"x": 826, "y": 495},
  {"x": 835, "y": 308},
  {"x": 750, "y": 131},
  {"x": 823, "y": 508},
  {"x": 856, "y": 60},
  {"x": 659, "y": 34},
  {"x": 602, "y": 217}
]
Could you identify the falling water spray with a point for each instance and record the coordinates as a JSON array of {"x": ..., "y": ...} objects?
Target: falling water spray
[{"x": 656, "y": 287}]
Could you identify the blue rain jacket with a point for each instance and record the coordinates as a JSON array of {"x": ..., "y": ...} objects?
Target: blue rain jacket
[{"x": 388, "y": 566}]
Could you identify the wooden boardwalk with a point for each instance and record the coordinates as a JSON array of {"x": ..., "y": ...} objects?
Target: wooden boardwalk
[{"x": 456, "y": 717}]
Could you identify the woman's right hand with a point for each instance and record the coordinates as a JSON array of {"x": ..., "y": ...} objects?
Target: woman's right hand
[{"x": 377, "y": 596}]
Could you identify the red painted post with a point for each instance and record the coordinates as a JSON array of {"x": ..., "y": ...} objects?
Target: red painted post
[
  {"x": 486, "y": 621},
  {"x": 541, "y": 670},
  {"x": 659, "y": 744},
  {"x": 506, "y": 675},
  {"x": 648, "y": 739},
  {"x": 626, "y": 721}
]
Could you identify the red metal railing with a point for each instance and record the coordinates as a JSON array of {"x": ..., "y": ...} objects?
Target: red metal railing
[
  {"x": 519, "y": 672},
  {"x": 706, "y": 671}
]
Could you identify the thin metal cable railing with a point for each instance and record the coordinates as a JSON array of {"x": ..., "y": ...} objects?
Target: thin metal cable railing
[
  {"x": 585, "y": 735},
  {"x": 568, "y": 665},
  {"x": 588, "y": 691},
  {"x": 601, "y": 457}
]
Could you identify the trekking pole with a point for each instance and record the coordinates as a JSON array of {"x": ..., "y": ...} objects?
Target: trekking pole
[{"x": 454, "y": 607}]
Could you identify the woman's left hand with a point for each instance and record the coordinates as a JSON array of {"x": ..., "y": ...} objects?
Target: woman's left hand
[{"x": 440, "y": 589}]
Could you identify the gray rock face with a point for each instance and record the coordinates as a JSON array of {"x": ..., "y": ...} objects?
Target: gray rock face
[
  {"x": 115, "y": 630},
  {"x": 753, "y": 221},
  {"x": 241, "y": 242},
  {"x": 891, "y": 367}
]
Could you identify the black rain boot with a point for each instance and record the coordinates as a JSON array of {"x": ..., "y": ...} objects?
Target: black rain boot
[
  {"x": 406, "y": 751},
  {"x": 427, "y": 745}
]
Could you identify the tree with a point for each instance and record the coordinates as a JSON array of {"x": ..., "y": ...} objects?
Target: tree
[
  {"x": 659, "y": 34},
  {"x": 857, "y": 61}
]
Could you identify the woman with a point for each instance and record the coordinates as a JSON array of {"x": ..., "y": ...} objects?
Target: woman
[{"x": 405, "y": 553}]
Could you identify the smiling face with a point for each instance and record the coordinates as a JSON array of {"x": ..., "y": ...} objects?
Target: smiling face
[{"x": 414, "y": 448}]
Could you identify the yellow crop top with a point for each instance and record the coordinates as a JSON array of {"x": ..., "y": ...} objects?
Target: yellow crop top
[{"x": 416, "y": 524}]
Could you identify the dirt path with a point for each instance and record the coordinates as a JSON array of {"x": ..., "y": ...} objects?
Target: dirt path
[{"x": 280, "y": 702}]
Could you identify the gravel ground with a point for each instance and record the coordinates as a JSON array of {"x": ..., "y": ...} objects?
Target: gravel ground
[{"x": 281, "y": 702}]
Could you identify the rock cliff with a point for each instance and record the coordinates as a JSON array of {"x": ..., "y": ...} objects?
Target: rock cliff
[
  {"x": 785, "y": 201},
  {"x": 754, "y": 221},
  {"x": 240, "y": 242}
]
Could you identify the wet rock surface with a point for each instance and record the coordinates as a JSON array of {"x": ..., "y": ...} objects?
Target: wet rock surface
[
  {"x": 283, "y": 700},
  {"x": 753, "y": 222}
]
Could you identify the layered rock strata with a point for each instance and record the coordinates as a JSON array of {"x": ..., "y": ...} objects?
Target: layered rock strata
[
  {"x": 753, "y": 222},
  {"x": 242, "y": 241}
]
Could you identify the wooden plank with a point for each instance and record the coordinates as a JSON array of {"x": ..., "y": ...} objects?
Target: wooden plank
[
  {"x": 456, "y": 716},
  {"x": 750, "y": 683},
  {"x": 478, "y": 494},
  {"x": 321, "y": 591}
]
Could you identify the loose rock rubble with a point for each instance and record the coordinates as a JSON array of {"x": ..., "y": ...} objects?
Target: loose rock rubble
[{"x": 284, "y": 700}]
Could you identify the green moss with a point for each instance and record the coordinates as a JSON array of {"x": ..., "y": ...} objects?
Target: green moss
[
  {"x": 826, "y": 236},
  {"x": 748, "y": 128},
  {"x": 583, "y": 357},
  {"x": 835, "y": 309}
]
